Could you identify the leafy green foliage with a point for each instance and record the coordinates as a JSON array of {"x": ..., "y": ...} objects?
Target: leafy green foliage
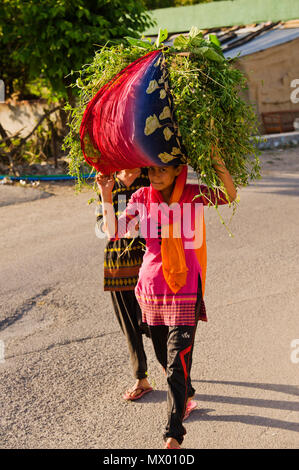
[
  {"x": 206, "y": 89},
  {"x": 210, "y": 111},
  {"x": 162, "y": 36},
  {"x": 49, "y": 38},
  {"x": 107, "y": 62}
]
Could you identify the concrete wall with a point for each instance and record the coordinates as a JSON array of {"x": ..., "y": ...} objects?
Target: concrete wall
[
  {"x": 270, "y": 73},
  {"x": 220, "y": 14},
  {"x": 15, "y": 116}
]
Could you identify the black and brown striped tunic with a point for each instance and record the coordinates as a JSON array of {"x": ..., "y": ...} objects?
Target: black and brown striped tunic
[{"x": 123, "y": 257}]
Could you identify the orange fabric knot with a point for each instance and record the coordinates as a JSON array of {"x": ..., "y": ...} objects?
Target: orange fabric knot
[
  {"x": 173, "y": 256},
  {"x": 172, "y": 249}
]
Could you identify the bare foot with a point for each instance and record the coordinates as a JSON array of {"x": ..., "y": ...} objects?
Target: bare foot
[
  {"x": 172, "y": 443},
  {"x": 139, "y": 387},
  {"x": 191, "y": 405}
]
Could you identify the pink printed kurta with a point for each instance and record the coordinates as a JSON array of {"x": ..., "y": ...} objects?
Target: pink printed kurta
[{"x": 159, "y": 305}]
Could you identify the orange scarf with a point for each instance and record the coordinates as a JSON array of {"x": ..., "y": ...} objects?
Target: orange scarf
[{"x": 172, "y": 250}]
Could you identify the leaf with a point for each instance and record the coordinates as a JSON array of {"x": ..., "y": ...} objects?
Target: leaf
[
  {"x": 138, "y": 42},
  {"x": 194, "y": 32},
  {"x": 165, "y": 157},
  {"x": 153, "y": 85},
  {"x": 167, "y": 133},
  {"x": 181, "y": 42},
  {"x": 162, "y": 36},
  {"x": 144, "y": 38},
  {"x": 213, "y": 38},
  {"x": 151, "y": 124},
  {"x": 209, "y": 53},
  {"x": 197, "y": 42},
  {"x": 79, "y": 83},
  {"x": 165, "y": 113}
]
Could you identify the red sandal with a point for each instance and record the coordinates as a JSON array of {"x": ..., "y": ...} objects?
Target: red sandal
[
  {"x": 168, "y": 447},
  {"x": 191, "y": 405},
  {"x": 127, "y": 396}
]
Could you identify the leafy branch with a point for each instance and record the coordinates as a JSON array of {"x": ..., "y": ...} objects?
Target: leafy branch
[{"x": 206, "y": 89}]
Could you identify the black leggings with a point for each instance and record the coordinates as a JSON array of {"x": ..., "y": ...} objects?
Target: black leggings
[
  {"x": 128, "y": 314},
  {"x": 174, "y": 347}
]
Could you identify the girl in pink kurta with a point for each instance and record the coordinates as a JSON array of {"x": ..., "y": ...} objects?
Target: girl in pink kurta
[
  {"x": 159, "y": 304},
  {"x": 172, "y": 276}
]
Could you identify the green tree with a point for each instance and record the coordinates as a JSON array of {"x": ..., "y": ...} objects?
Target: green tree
[
  {"x": 42, "y": 42},
  {"x": 50, "y": 38},
  {"x": 154, "y": 4}
]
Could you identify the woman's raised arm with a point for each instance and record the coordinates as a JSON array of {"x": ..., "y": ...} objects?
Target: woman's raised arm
[
  {"x": 105, "y": 184},
  {"x": 224, "y": 175}
]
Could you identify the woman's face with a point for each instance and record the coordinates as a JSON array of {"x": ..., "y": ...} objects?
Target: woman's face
[{"x": 163, "y": 177}]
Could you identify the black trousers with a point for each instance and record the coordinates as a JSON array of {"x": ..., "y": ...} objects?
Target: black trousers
[
  {"x": 174, "y": 348},
  {"x": 129, "y": 316}
]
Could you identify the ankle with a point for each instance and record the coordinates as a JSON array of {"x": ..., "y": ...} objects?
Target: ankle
[
  {"x": 172, "y": 443},
  {"x": 143, "y": 381}
]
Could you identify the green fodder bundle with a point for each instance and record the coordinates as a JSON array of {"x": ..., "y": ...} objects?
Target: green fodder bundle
[
  {"x": 210, "y": 111},
  {"x": 107, "y": 62},
  {"x": 209, "y": 108}
]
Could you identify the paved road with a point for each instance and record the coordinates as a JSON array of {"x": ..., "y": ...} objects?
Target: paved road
[{"x": 65, "y": 362}]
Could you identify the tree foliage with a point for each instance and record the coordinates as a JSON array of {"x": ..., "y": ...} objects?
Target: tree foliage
[
  {"x": 42, "y": 42},
  {"x": 50, "y": 38}
]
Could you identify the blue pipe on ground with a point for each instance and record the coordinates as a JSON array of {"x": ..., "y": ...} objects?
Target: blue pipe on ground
[{"x": 44, "y": 177}]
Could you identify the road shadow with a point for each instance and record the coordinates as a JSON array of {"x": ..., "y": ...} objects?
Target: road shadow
[
  {"x": 156, "y": 396},
  {"x": 23, "y": 309},
  {"x": 202, "y": 414},
  {"x": 284, "y": 186},
  {"x": 10, "y": 195},
  {"x": 199, "y": 415},
  {"x": 282, "y": 388}
]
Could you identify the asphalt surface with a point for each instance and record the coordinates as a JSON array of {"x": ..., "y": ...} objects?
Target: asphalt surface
[{"x": 64, "y": 363}]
